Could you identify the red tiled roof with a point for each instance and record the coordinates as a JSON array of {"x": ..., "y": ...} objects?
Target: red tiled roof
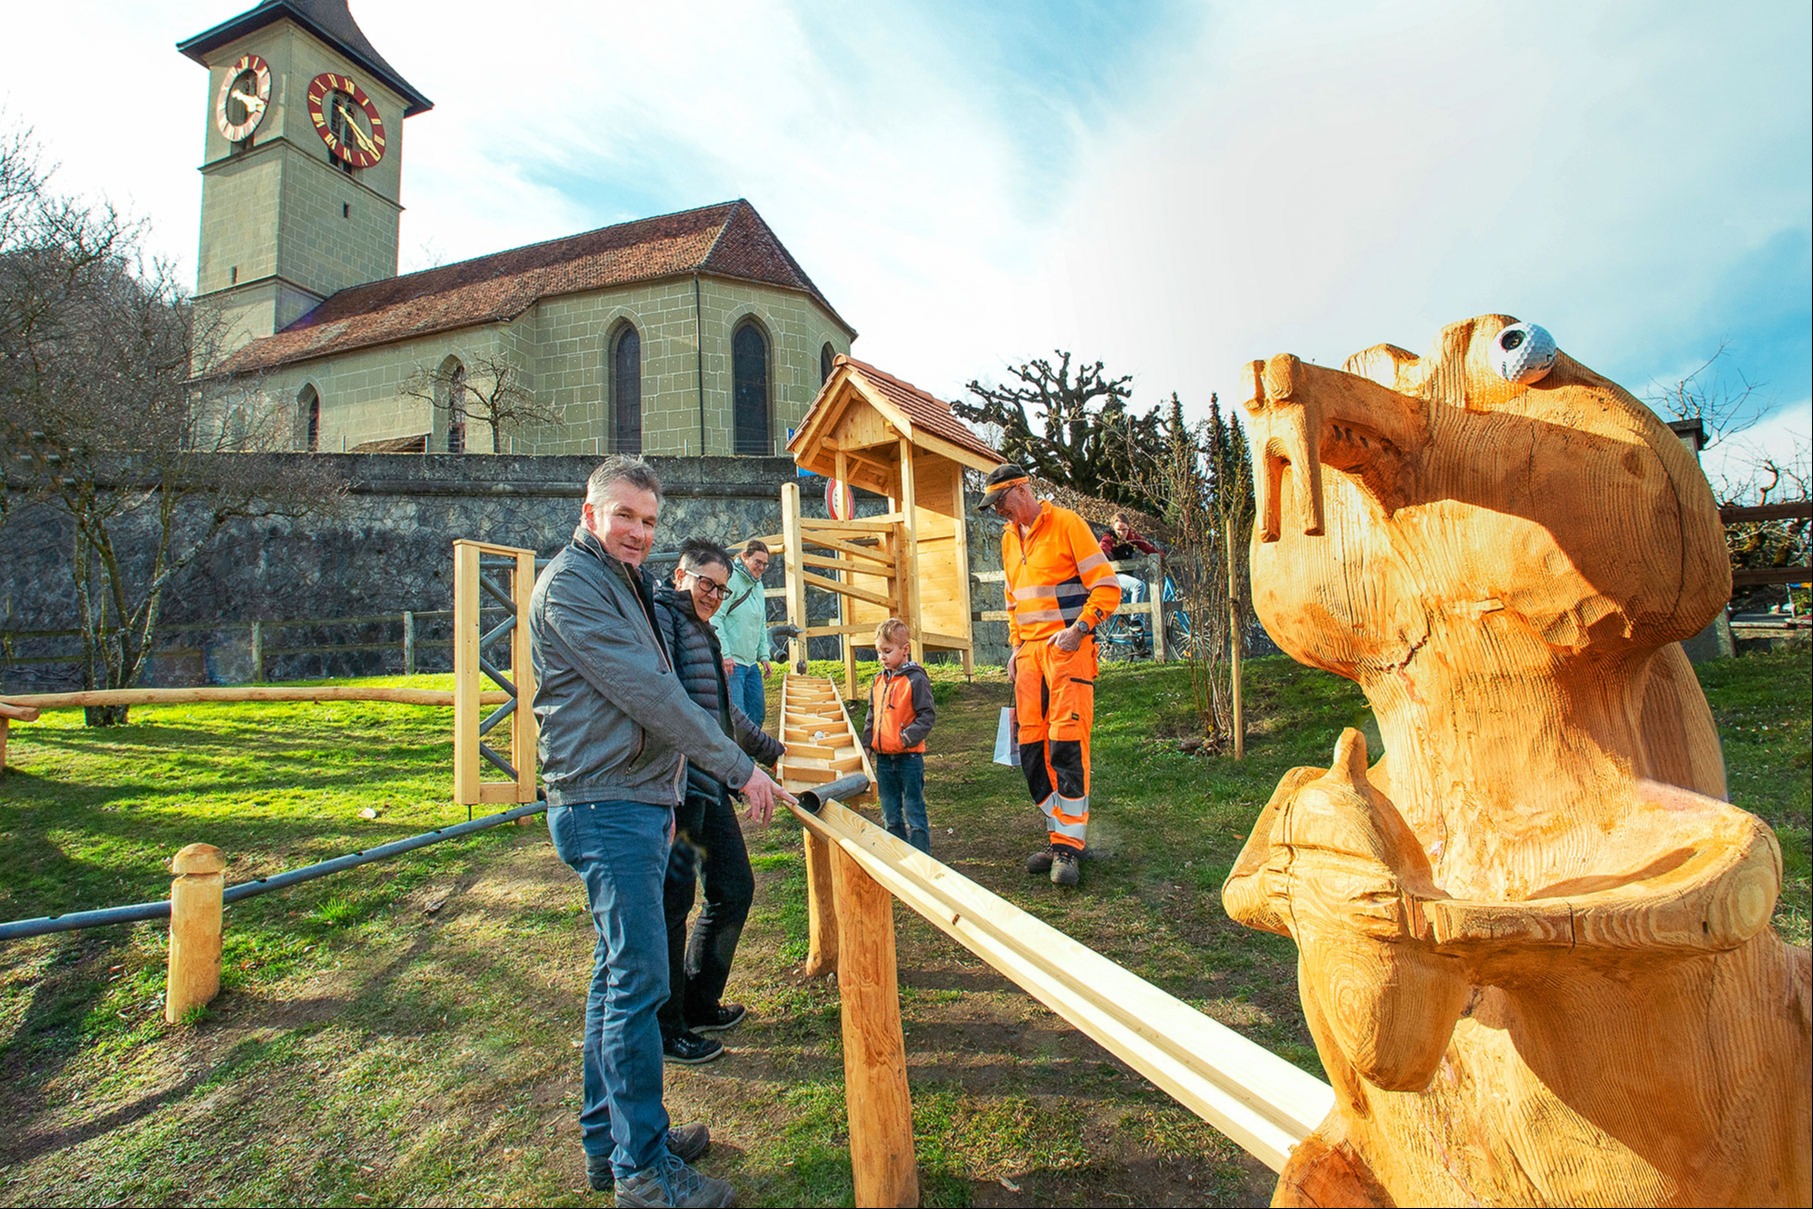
[
  {"x": 726, "y": 240},
  {"x": 927, "y": 412}
]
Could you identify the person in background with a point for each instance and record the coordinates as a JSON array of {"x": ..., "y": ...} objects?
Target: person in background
[
  {"x": 617, "y": 733},
  {"x": 708, "y": 843},
  {"x": 1059, "y": 589},
  {"x": 742, "y": 626},
  {"x": 1122, "y": 541},
  {"x": 900, "y": 718}
]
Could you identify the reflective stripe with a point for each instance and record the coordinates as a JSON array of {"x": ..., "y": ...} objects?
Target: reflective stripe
[
  {"x": 1046, "y": 807},
  {"x": 1027, "y": 616},
  {"x": 1089, "y": 564},
  {"x": 1039, "y": 592},
  {"x": 1008, "y": 592},
  {"x": 1071, "y": 812}
]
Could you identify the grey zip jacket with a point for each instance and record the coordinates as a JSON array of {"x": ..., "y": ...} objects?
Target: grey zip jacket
[{"x": 616, "y": 723}]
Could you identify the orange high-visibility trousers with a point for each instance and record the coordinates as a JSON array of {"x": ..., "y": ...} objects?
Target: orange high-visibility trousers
[{"x": 1054, "y": 701}]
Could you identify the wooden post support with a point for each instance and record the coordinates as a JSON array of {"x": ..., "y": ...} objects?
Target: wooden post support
[
  {"x": 195, "y": 908},
  {"x": 790, "y": 559},
  {"x": 908, "y": 559},
  {"x": 1156, "y": 595},
  {"x": 466, "y": 671},
  {"x": 875, "y": 1079},
  {"x": 846, "y": 607},
  {"x": 821, "y": 909},
  {"x": 408, "y": 643},
  {"x": 258, "y": 652},
  {"x": 960, "y": 521},
  {"x": 525, "y": 728},
  {"x": 10, "y": 713}
]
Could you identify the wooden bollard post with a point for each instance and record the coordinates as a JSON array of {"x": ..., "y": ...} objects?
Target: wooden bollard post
[
  {"x": 195, "y": 910},
  {"x": 875, "y": 1078},
  {"x": 12, "y": 713},
  {"x": 821, "y": 909}
]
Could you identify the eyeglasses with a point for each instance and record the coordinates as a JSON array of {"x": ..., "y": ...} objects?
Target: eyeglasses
[{"x": 709, "y": 586}]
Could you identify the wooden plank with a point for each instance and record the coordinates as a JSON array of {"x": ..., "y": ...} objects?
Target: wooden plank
[
  {"x": 1733, "y": 514},
  {"x": 908, "y": 558},
  {"x": 1750, "y": 576},
  {"x": 831, "y": 585},
  {"x": 868, "y": 524},
  {"x": 497, "y": 792},
  {"x": 525, "y": 728},
  {"x": 882, "y": 1166},
  {"x": 821, "y": 909},
  {"x": 466, "y": 672},
  {"x": 853, "y": 550},
  {"x": 832, "y": 564},
  {"x": 827, "y": 630},
  {"x": 247, "y": 693},
  {"x": 953, "y": 641},
  {"x": 1259, "y": 1100},
  {"x": 796, "y": 588}
]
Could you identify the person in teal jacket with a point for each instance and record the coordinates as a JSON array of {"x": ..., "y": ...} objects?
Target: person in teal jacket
[{"x": 742, "y": 626}]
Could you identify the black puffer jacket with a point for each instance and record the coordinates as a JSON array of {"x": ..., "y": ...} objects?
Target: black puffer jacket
[{"x": 699, "y": 662}]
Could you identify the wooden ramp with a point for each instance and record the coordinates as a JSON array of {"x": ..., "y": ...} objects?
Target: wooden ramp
[{"x": 820, "y": 737}]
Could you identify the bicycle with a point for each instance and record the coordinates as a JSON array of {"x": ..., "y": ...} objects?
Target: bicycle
[{"x": 1122, "y": 638}]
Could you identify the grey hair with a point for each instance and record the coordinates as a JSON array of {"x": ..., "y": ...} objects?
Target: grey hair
[{"x": 621, "y": 468}]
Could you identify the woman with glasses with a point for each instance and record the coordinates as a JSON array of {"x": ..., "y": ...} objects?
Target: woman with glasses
[{"x": 708, "y": 842}]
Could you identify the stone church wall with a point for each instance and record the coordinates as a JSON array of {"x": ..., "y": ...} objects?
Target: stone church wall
[{"x": 388, "y": 550}]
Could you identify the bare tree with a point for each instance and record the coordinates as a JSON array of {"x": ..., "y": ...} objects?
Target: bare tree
[
  {"x": 1205, "y": 481},
  {"x": 1071, "y": 428},
  {"x": 485, "y": 388},
  {"x": 109, "y": 419},
  {"x": 1720, "y": 404}
]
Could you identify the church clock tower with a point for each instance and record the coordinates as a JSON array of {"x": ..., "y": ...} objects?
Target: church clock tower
[{"x": 302, "y": 167}]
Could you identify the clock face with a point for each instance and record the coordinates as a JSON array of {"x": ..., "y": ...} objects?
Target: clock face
[
  {"x": 244, "y": 94},
  {"x": 346, "y": 119}
]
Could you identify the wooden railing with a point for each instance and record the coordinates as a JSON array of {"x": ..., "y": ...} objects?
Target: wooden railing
[
  {"x": 1256, "y": 1098},
  {"x": 1737, "y": 514},
  {"x": 1151, "y": 607}
]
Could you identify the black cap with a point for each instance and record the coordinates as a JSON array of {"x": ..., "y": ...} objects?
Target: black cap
[{"x": 1001, "y": 480}]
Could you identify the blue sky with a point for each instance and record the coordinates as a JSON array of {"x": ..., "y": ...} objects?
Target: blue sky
[{"x": 1173, "y": 188}]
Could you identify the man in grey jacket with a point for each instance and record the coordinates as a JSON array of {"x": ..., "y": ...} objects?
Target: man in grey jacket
[{"x": 617, "y": 731}]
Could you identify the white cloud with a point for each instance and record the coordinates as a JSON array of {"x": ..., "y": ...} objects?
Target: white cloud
[{"x": 1305, "y": 178}]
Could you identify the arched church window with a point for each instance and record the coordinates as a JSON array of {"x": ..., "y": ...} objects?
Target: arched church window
[
  {"x": 749, "y": 389},
  {"x": 827, "y": 361},
  {"x": 626, "y": 391},
  {"x": 456, "y": 409},
  {"x": 308, "y": 413}
]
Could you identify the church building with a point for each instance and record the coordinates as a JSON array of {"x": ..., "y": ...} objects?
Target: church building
[{"x": 684, "y": 334}]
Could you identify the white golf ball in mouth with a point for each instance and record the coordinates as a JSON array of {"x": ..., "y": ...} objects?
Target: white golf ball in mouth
[{"x": 1523, "y": 353}]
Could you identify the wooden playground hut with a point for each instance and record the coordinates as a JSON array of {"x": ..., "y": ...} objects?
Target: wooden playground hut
[{"x": 868, "y": 429}]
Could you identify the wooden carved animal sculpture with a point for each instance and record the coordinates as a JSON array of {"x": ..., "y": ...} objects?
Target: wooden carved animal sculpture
[{"x": 1534, "y": 941}]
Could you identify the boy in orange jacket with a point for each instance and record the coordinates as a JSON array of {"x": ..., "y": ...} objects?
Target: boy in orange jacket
[{"x": 900, "y": 717}]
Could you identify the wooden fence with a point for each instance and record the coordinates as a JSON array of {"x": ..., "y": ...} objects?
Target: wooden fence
[
  {"x": 263, "y": 640},
  {"x": 1738, "y": 514},
  {"x": 855, "y": 869}
]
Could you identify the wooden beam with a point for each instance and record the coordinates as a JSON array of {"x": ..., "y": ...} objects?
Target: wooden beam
[
  {"x": 831, "y": 585},
  {"x": 868, "y": 524},
  {"x": 245, "y": 693},
  {"x": 796, "y": 588},
  {"x": 467, "y": 630},
  {"x": 1750, "y": 576},
  {"x": 1259, "y": 1100},
  {"x": 882, "y": 1165},
  {"x": 908, "y": 558}
]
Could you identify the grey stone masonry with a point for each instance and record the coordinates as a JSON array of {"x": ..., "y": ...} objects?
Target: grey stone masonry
[{"x": 386, "y": 550}]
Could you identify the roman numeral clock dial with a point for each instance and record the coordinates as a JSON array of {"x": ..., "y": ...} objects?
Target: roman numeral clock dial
[
  {"x": 244, "y": 94},
  {"x": 346, "y": 119}
]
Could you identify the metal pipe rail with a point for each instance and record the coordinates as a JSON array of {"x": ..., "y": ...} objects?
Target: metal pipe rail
[{"x": 19, "y": 929}]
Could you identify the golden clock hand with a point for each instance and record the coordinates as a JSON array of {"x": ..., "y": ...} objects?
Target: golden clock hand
[{"x": 370, "y": 148}]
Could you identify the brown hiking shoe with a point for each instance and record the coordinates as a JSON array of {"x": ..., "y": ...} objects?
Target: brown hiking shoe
[
  {"x": 1039, "y": 863},
  {"x": 1065, "y": 870}
]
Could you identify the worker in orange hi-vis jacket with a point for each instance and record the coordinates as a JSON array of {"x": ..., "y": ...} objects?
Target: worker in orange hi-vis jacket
[{"x": 1059, "y": 588}]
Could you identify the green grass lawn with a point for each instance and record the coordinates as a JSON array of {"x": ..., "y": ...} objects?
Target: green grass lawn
[{"x": 406, "y": 1032}]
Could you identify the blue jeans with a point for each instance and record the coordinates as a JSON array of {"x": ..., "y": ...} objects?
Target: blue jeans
[
  {"x": 900, "y": 782},
  {"x": 619, "y": 849},
  {"x": 748, "y": 693}
]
